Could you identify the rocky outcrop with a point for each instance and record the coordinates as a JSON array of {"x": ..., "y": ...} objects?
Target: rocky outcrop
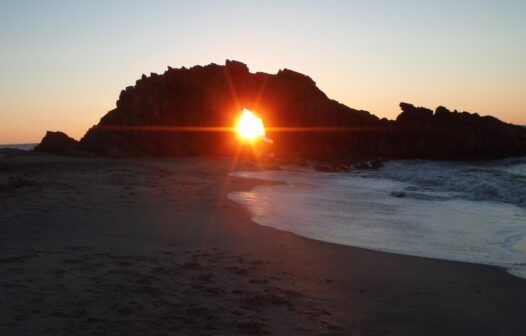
[
  {"x": 447, "y": 135},
  {"x": 214, "y": 95},
  {"x": 153, "y": 118},
  {"x": 57, "y": 143}
]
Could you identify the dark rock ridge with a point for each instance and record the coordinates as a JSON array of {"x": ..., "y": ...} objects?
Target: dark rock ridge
[
  {"x": 57, "y": 143},
  {"x": 420, "y": 133},
  {"x": 213, "y": 95}
]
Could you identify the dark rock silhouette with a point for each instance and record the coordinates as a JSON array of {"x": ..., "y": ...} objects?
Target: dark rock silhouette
[
  {"x": 57, "y": 143},
  {"x": 146, "y": 115},
  {"x": 214, "y": 96},
  {"x": 447, "y": 135}
]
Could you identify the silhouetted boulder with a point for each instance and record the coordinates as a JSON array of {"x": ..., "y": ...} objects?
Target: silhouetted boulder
[
  {"x": 57, "y": 143},
  {"x": 154, "y": 117},
  {"x": 376, "y": 164},
  {"x": 398, "y": 194}
]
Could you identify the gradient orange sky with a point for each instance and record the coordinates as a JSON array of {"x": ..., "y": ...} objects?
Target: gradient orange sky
[{"x": 63, "y": 63}]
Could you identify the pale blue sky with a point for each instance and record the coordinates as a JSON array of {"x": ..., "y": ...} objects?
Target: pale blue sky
[{"x": 63, "y": 63}]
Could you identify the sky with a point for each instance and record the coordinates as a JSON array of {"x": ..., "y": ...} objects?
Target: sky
[{"x": 64, "y": 63}]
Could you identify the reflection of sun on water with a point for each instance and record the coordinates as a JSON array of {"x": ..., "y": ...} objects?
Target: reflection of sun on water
[{"x": 250, "y": 127}]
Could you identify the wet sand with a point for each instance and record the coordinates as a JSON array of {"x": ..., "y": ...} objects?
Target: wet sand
[{"x": 93, "y": 246}]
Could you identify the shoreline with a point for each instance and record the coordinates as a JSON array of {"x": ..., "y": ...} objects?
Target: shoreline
[
  {"x": 294, "y": 190},
  {"x": 152, "y": 223},
  {"x": 403, "y": 283}
]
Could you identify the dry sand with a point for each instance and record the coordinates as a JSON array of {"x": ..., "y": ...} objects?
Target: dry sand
[{"x": 92, "y": 246}]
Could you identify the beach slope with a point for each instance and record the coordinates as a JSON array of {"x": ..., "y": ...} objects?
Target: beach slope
[{"x": 154, "y": 246}]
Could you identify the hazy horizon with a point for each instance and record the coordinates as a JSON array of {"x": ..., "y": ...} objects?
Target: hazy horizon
[{"x": 64, "y": 64}]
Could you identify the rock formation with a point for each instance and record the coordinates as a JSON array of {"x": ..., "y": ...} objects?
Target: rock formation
[
  {"x": 57, "y": 143},
  {"x": 447, "y": 135},
  {"x": 147, "y": 115}
]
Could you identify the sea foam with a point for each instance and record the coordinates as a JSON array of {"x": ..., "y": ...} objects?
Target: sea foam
[{"x": 453, "y": 211}]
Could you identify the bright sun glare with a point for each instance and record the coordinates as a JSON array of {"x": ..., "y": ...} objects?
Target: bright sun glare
[{"x": 249, "y": 126}]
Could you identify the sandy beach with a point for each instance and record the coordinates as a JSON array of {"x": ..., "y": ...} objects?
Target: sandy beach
[{"x": 149, "y": 246}]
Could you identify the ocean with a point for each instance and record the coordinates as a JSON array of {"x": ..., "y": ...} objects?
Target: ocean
[
  {"x": 25, "y": 147},
  {"x": 472, "y": 212}
]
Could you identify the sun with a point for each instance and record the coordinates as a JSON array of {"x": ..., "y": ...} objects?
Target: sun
[{"x": 250, "y": 127}]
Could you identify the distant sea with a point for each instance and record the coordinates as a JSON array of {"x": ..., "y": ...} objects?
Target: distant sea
[
  {"x": 471, "y": 212},
  {"x": 26, "y": 147}
]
